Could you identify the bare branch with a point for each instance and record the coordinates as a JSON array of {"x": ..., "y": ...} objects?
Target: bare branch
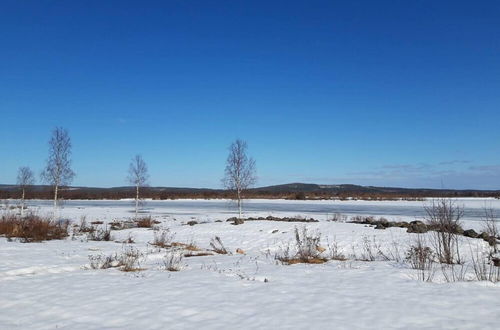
[{"x": 25, "y": 177}]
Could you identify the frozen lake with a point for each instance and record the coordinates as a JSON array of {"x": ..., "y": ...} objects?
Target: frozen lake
[{"x": 393, "y": 210}]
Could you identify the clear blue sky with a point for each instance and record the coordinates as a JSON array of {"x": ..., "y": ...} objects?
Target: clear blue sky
[{"x": 394, "y": 93}]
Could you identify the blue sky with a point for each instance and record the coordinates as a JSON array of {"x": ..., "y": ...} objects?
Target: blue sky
[{"x": 391, "y": 93}]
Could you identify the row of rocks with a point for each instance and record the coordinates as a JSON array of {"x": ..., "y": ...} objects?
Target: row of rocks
[
  {"x": 237, "y": 221},
  {"x": 129, "y": 224},
  {"x": 420, "y": 227}
]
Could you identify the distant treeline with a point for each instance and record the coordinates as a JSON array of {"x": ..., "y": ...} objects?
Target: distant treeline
[{"x": 115, "y": 193}]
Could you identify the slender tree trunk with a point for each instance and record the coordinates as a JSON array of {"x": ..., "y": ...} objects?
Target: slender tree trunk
[
  {"x": 136, "y": 200},
  {"x": 239, "y": 202},
  {"x": 55, "y": 196},
  {"x": 56, "y": 190},
  {"x": 22, "y": 205}
]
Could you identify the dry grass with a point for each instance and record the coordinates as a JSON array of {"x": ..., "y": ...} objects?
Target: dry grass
[
  {"x": 338, "y": 217},
  {"x": 128, "y": 260},
  {"x": 83, "y": 227},
  {"x": 306, "y": 249},
  {"x": 217, "y": 245},
  {"x": 305, "y": 261},
  {"x": 163, "y": 238},
  {"x": 421, "y": 258},
  {"x": 186, "y": 246},
  {"x": 172, "y": 261},
  {"x": 484, "y": 267},
  {"x": 335, "y": 252},
  {"x": 145, "y": 222},
  {"x": 32, "y": 228}
]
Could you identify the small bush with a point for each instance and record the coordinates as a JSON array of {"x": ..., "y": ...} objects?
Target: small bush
[
  {"x": 306, "y": 249},
  {"x": 83, "y": 227},
  {"x": 100, "y": 235},
  {"x": 368, "y": 249},
  {"x": 421, "y": 257},
  {"x": 338, "y": 217},
  {"x": 103, "y": 262},
  {"x": 443, "y": 217},
  {"x": 32, "y": 228},
  {"x": 363, "y": 219},
  {"x": 163, "y": 238},
  {"x": 145, "y": 222},
  {"x": 335, "y": 252},
  {"x": 172, "y": 261},
  {"x": 484, "y": 267},
  {"x": 128, "y": 261}
]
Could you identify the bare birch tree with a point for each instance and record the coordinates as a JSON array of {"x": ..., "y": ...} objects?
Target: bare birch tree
[
  {"x": 138, "y": 176},
  {"x": 240, "y": 173},
  {"x": 58, "y": 170},
  {"x": 25, "y": 179}
]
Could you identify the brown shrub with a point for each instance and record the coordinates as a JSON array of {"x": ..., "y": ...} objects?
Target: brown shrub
[
  {"x": 146, "y": 222},
  {"x": 32, "y": 228}
]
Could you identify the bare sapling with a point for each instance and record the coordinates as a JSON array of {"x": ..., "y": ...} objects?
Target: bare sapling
[
  {"x": 443, "y": 216},
  {"x": 138, "y": 176},
  {"x": 58, "y": 170},
  {"x": 25, "y": 179},
  {"x": 240, "y": 172}
]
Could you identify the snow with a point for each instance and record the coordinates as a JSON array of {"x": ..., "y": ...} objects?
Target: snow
[{"x": 49, "y": 285}]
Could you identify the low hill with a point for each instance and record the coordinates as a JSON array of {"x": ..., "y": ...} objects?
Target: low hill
[{"x": 290, "y": 191}]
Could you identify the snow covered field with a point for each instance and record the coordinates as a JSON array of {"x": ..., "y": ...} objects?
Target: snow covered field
[{"x": 49, "y": 285}]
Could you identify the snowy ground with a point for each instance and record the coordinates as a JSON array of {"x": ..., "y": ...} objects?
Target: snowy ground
[{"x": 48, "y": 285}]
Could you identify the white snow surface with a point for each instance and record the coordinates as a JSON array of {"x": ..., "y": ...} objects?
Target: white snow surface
[{"x": 49, "y": 285}]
